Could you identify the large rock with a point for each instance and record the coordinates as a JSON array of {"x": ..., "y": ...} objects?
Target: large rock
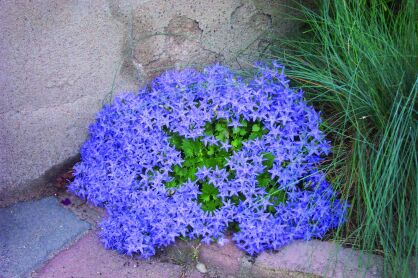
[
  {"x": 166, "y": 34},
  {"x": 58, "y": 61},
  {"x": 61, "y": 59}
]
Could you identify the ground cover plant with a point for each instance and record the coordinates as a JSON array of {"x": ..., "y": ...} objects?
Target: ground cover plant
[
  {"x": 197, "y": 153},
  {"x": 357, "y": 62}
]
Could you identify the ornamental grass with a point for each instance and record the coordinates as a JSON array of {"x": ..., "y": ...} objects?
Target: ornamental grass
[{"x": 358, "y": 63}]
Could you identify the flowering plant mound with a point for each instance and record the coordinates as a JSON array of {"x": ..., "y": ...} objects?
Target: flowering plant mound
[{"x": 197, "y": 153}]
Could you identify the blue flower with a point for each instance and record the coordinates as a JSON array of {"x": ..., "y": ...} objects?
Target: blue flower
[{"x": 128, "y": 160}]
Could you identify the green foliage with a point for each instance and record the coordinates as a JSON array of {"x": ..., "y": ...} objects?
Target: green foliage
[
  {"x": 197, "y": 155},
  {"x": 209, "y": 197},
  {"x": 358, "y": 64},
  {"x": 264, "y": 180}
]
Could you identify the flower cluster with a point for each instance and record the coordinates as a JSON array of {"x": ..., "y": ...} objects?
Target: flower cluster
[{"x": 129, "y": 161}]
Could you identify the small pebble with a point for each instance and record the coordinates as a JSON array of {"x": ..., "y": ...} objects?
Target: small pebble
[{"x": 201, "y": 268}]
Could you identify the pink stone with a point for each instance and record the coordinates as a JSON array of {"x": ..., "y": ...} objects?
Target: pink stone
[
  {"x": 224, "y": 259},
  {"x": 324, "y": 259},
  {"x": 195, "y": 274},
  {"x": 88, "y": 258}
]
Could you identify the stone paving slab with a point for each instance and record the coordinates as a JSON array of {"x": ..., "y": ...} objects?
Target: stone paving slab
[
  {"x": 317, "y": 259},
  {"x": 31, "y": 232},
  {"x": 44, "y": 227},
  {"x": 224, "y": 259},
  {"x": 88, "y": 258}
]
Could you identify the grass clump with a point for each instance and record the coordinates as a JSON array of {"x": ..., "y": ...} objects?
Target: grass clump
[{"x": 357, "y": 62}]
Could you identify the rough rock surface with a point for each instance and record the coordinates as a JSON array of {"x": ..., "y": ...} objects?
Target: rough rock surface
[
  {"x": 167, "y": 34},
  {"x": 61, "y": 59},
  {"x": 58, "y": 61}
]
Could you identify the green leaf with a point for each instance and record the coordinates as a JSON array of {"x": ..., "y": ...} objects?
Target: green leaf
[
  {"x": 235, "y": 143},
  {"x": 205, "y": 198},
  {"x": 271, "y": 209},
  {"x": 182, "y": 172},
  {"x": 188, "y": 163},
  {"x": 253, "y": 136},
  {"x": 219, "y": 127},
  {"x": 263, "y": 180},
  {"x": 192, "y": 172},
  {"x": 255, "y": 128},
  {"x": 269, "y": 159},
  {"x": 171, "y": 184},
  {"x": 187, "y": 148},
  {"x": 211, "y": 205},
  {"x": 176, "y": 140},
  {"x": 220, "y": 161},
  {"x": 209, "y": 189},
  {"x": 220, "y": 136}
]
